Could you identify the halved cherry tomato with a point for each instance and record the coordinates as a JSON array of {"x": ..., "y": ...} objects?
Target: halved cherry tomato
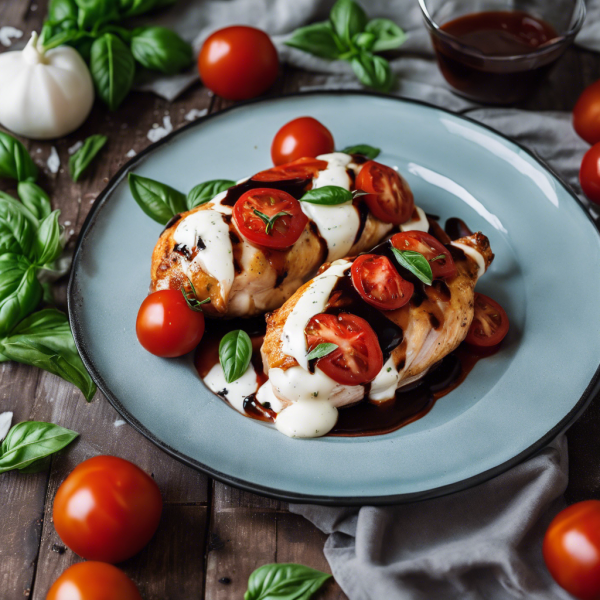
[
  {"x": 490, "y": 323},
  {"x": 589, "y": 173},
  {"x": 430, "y": 248},
  {"x": 586, "y": 114},
  {"x": 93, "y": 581},
  {"x": 358, "y": 357},
  {"x": 300, "y": 138},
  {"x": 379, "y": 283},
  {"x": 572, "y": 549},
  {"x": 107, "y": 509},
  {"x": 166, "y": 326},
  {"x": 303, "y": 168},
  {"x": 389, "y": 197},
  {"x": 286, "y": 229},
  {"x": 238, "y": 62}
]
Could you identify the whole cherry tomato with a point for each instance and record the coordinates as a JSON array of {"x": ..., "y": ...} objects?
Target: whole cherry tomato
[
  {"x": 93, "y": 581},
  {"x": 238, "y": 62},
  {"x": 167, "y": 326},
  {"x": 107, "y": 509},
  {"x": 589, "y": 173},
  {"x": 302, "y": 137},
  {"x": 586, "y": 114},
  {"x": 572, "y": 549}
]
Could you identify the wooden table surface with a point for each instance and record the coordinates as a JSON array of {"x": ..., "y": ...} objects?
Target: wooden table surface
[{"x": 211, "y": 536}]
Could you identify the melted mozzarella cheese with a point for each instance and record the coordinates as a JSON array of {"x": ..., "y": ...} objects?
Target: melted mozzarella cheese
[
  {"x": 235, "y": 392},
  {"x": 265, "y": 395},
  {"x": 307, "y": 419},
  {"x": 385, "y": 384},
  {"x": 474, "y": 254},
  {"x": 419, "y": 224}
]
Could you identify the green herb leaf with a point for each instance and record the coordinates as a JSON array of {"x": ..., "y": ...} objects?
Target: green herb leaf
[
  {"x": 35, "y": 199},
  {"x": 132, "y": 8},
  {"x": 81, "y": 160},
  {"x": 329, "y": 195},
  {"x": 47, "y": 245},
  {"x": 364, "y": 149},
  {"x": 31, "y": 441},
  {"x": 438, "y": 257},
  {"x": 388, "y": 36},
  {"x": 113, "y": 68},
  {"x": 160, "y": 49},
  {"x": 17, "y": 231},
  {"x": 157, "y": 200},
  {"x": 416, "y": 263},
  {"x": 59, "y": 10},
  {"x": 44, "y": 340},
  {"x": 191, "y": 297},
  {"x": 270, "y": 221},
  {"x": 235, "y": 352},
  {"x": 286, "y": 581},
  {"x": 373, "y": 71},
  {"x": 205, "y": 192},
  {"x": 364, "y": 40},
  {"x": 321, "y": 350},
  {"x": 93, "y": 13},
  {"x": 318, "y": 39},
  {"x": 15, "y": 162},
  {"x": 348, "y": 18}
]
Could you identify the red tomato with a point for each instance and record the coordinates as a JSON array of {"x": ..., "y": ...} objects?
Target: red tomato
[
  {"x": 285, "y": 230},
  {"x": 107, "y": 509},
  {"x": 589, "y": 173},
  {"x": 490, "y": 323},
  {"x": 358, "y": 357},
  {"x": 586, "y": 114},
  {"x": 303, "y": 137},
  {"x": 572, "y": 549},
  {"x": 238, "y": 62},
  {"x": 389, "y": 198},
  {"x": 379, "y": 283},
  {"x": 93, "y": 581},
  {"x": 167, "y": 326},
  {"x": 303, "y": 168},
  {"x": 430, "y": 248}
]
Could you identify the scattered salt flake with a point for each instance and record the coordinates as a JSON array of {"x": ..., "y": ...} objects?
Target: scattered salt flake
[
  {"x": 67, "y": 223},
  {"x": 34, "y": 7},
  {"x": 71, "y": 232},
  {"x": 5, "y": 422},
  {"x": 195, "y": 114},
  {"x": 7, "y": 34},
  {"x": 131, "y": 153},
  {"x": 157, "y": 132},
  {"x": 119, "y": 422},
  {"x": 53, "y": 161},
  {"x": 75, "y": 147},
  {"x": 38, "y": 151}
]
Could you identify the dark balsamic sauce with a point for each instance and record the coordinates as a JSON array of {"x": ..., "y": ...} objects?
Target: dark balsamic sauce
[{"x": 294, "y": 187}]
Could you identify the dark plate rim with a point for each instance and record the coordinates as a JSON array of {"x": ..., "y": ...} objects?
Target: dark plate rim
[{"x": 72, "y": 295}]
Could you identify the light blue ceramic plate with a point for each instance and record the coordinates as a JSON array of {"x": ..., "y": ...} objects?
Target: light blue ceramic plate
[{"x": 546, "y": 275}]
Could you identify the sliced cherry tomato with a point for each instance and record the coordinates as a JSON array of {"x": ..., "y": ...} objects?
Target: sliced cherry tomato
[
  {"x": 430, "y": 248},
  {"x": 358, "y": 358},
  {"x": 586, "y": 114},
  {"x": 379, "y": 283},
  {"x": 238, "y": 62},
  {"x": 490, "y": 323},
  {"x": 93, "y": 581},
  {"x": 167, "y": 326},
  {"x": 303, "y": 168},
  {"x": 589, "y": 173},
  {"x": 389, "y": 197},
  {"x": 284, "y": 230},
  {"x": 572, "y": 549},
  {"x": 301, "y": 138},
  {"x": 107, "y": 509}
]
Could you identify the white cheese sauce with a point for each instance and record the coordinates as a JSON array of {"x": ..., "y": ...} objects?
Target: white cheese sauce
[
  {"x": 307, "y": 419},
  {"x": 474, "y": 254},
  {"x": 235, "y": 392},
  {"x": 384, "y": 386},
  {"x": 419, "y": 224},
  {"x": 265, "y": 395}
]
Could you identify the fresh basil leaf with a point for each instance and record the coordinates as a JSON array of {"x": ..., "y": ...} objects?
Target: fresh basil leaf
[
  {"x": 93, "y": 13},
  {"x": 285, "y": 581},
  {"x": 160, "y": 49},
  {"x": 416, "y": 263},
  {"x": 235, "y": 352},
  {"x": 321, "y": 350},
  {"x": 348, "y": 18},
  {"x": 47, "y": 244},
  {"x": 32, "y": 441},
  {"x": 131, "y": 8},
  {"x": 81, "y": 160},
  {"x": 59, "y": 10},
  {"x": 364, "y": 149},
  {"x": 388, "y": 36},
  {"x": 17, "y": 232},
  {"x": 373, "y": 71},
  {"x": 113, "y": 69},
  {"x": 15, "y": 162},
  {"x": 364, "y": 40},
  {"x": 84, "y": 45},
  {"x": 329, "y": 195},
  {"x": 318, "y": 39},
  {"x": 35, "y": 199},
  {"x": 205, "y": 192},
  {"x": 157, "y": 200},
  {"x": 19, "y": 206},
  {"x": 20, "y": 291}
]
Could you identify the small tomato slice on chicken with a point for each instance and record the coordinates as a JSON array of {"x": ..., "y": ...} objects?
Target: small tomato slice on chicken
[
  {"x": 438, "y": 256},
  {"x": 490, "y": 323},
  {"x": 303, "y": 168}
]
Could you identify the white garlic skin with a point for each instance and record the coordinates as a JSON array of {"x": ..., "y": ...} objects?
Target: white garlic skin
[{"x": 44, "y": 95}]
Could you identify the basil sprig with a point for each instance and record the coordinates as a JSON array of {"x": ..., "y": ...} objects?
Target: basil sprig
[
  {"x": 205, "y": 192},
  {"x": 321, "y": 350},
  {"x": 416, "y": 263},
  {"x": 235, "y": 352},
  {"x": 286, "y": 581},
  {"x": 270, "y": 221},
  {"x": 350, "y": 35},
  {"x": 160, "y": 49},
  {"x": 29, "y": 443},
  {"x": 15, "y": 162},
  {"x": 191, "y": 297},
  {"x": 364, "y": 149},
  {"x": 82, "y": 159},
  {"x": 328, "y": 195}
]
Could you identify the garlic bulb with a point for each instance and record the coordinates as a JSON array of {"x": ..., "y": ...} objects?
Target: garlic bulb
[{"x": 44, "y": 94}]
